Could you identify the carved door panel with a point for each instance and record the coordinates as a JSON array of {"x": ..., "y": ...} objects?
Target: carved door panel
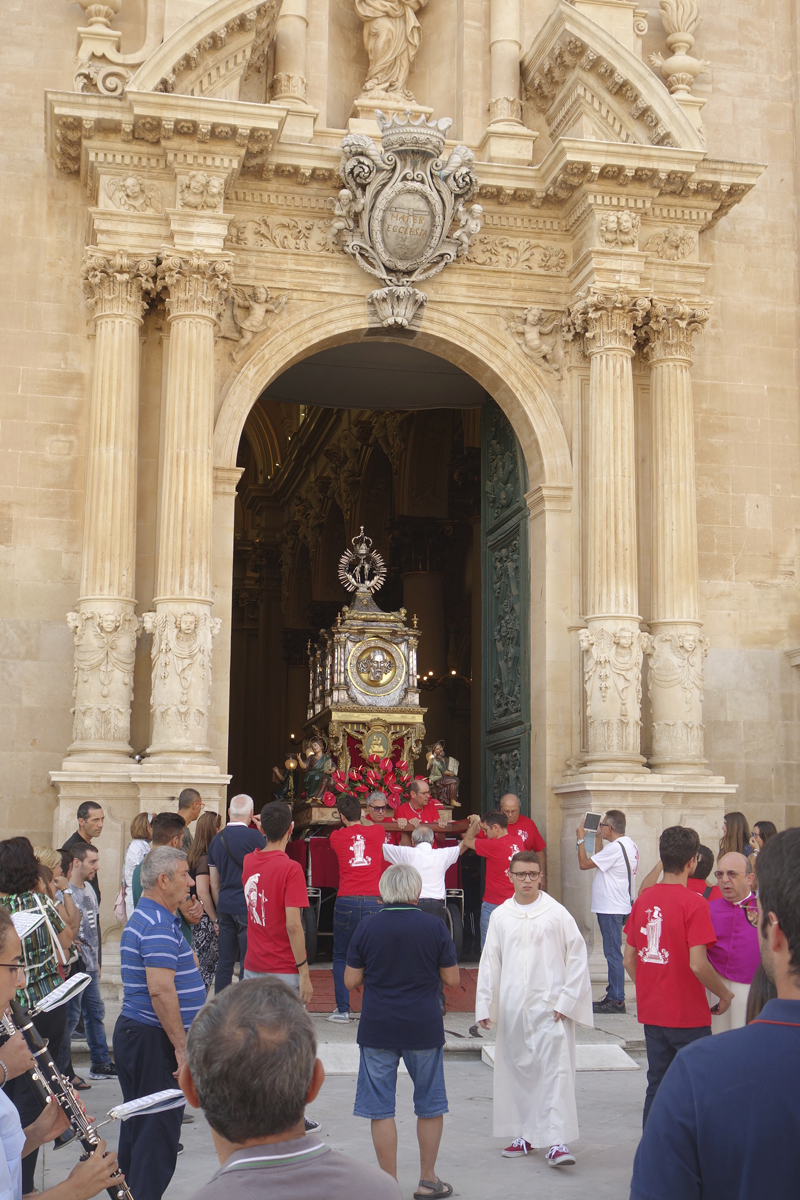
[{"x": 505, "y": 607}]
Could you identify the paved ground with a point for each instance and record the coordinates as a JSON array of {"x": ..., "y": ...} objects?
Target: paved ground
[{"x": 609, "y": 1106}]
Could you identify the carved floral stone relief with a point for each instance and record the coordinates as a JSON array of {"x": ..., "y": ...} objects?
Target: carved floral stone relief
[{"x": 516, "y": 254}]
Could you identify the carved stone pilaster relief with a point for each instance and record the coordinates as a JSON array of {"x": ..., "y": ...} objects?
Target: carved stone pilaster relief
[
  {"x": 505, "y": 108},
  {"x": 606, "y": 321},
  {"x": 105, "y": 649},
  {"x": 612, "y": 676},
  {"x": 181, "y": 676},
  {"x": 117, "y": 283},
  {"x": 675, "y": 687},
  {"x": 198, "y": 284}
]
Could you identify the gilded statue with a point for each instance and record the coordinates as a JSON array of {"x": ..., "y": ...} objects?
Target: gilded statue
[{"x": 391, "y": 40}]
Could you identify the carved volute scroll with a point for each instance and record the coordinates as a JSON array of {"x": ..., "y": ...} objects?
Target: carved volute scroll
[
  {"x": 117, "y": 283},
  {"x": 505, "y": 703},
  {"x": 198, "y": 284}
]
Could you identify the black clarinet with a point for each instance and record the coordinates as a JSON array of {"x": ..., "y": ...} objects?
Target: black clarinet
[{"x": 52, "y": 1087}]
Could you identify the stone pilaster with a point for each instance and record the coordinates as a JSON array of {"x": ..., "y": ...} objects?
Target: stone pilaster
[
  {"x": 613, "y": 643},
  {"x": 182, "y": 625},
  {"x": 289, "y": 77},
  {"x": 677, "y": 647},
  {"x": 105, "y": 626},
  {"x": 506, "y": 138}
]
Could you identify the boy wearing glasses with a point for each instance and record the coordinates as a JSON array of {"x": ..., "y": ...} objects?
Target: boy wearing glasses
[
  {"x": 533, "y": 984},
  {"x": 735, "y": 954}
]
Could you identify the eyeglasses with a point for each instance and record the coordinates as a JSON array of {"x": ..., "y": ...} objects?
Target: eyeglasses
[
  {"x": 379, "y": 807},
  {"x": 731, "y": 875},
  {"x": 16, "y": 969},
  {"x": 524, "y": 874}
]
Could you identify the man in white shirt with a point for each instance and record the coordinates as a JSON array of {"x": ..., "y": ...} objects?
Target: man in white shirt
[
  {"x": 613, "y": 885},
  {"x": 433, "y": 863}
]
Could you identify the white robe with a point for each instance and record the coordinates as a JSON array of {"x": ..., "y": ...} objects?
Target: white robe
[{"x": 533, "y": 964}]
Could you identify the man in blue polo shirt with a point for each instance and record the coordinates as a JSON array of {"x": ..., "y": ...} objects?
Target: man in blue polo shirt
[
  {"x": 225, "y": 858},
  {"x": 725, "y": 1122},
  {"x": 162, "y": 993},
  {"x": 400, "y": 955}
]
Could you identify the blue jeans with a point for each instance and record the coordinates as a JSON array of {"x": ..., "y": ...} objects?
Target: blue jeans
[
  {"x": 663, "y": 1044},
  {"x": 292, "y": 981},
  {"x": 611, "y": 929},
  {"x": 232, "y": 942},
  {"x": 486, "y": 911},
  {"x": 377, "y": 1083},
  {"x": 347, "y": 913},
  {"x": 90, "y": 1002}
]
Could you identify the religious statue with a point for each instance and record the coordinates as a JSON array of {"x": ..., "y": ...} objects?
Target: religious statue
[
  {"x": 529, "y": 329},
  {"x": 443, "y": 775},
  {"x": 391, "y": 40},
  {"x": 317, "y": 766}
]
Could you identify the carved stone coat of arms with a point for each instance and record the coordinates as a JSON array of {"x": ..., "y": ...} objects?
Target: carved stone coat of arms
[{"x": 404, "y": 211}]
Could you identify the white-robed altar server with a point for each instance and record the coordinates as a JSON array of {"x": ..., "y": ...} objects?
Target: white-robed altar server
[{"x": 533, "y": 984}]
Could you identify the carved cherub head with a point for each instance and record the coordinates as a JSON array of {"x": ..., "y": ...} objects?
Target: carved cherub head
[
  {"x": 108, "y": 622},
  {"x": 624, "y": 638},
  {"x": 132, "y": 187},
  {"x": 214, "y": 188},
  {"x": 260, "y": 293},
  {"x": 187, "y": 623},
  {"x": 625, "y": 222},
  {"x": 688, "y": 641},
  {"x": 533, "y": 316},
  {"x": 198, "y": 183}
]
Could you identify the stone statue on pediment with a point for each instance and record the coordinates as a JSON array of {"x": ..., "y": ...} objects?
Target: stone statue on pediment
[{"x": 391, "y": 39}]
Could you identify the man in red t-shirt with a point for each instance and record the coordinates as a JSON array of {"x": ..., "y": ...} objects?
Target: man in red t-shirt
[
  {"x": 359, "y": 849},
  {"x": 668, "y": 931},
  {"x": 524, "y": 831},
  {"x": 420, "y": 809},
  {"x": 697, "y": 881},
  {"x": 498, "y": 847},
  {"x": 376, "y": 812},
  {"x": 275, "y": 893}
]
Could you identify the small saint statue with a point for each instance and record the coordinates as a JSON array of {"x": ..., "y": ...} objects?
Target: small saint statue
[
  {"x": 443, "y": 776},
  {"x": 317, "y": 766}
]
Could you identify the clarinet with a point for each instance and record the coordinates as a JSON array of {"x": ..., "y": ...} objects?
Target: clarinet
[{"x": 52, "y": 1087}]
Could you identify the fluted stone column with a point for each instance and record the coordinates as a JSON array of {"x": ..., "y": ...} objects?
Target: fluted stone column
[
  {"x": 505, "y": 46},
  {"x": 612, "y": 643},
  {"x": 289, "y": 78},
  {"x": 104, "y": 625},
  {"x": 182, "y": 625},
  {"x": 677, "y": 647}
]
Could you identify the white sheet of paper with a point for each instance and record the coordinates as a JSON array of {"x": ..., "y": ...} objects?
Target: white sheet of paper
[
  {"x": 26, "y": 922},
  {"x": 156, "y": 1102},
  {"x": 64, "y": 992}
]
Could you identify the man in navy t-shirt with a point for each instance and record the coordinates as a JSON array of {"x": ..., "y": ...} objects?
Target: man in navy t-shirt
[
  {"x": 400, "y": 955},
  {"x": 225, "y": 858},
  {"x": 725, "y": 1122}
]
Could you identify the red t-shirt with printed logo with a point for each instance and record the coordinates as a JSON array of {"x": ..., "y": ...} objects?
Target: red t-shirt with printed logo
[
  {"x": 665, "y": 921},
  {"x": 272, "y": 883},
  {"x": 359, "y": 849},
  {"x": 526, "y": 832},
  {"x": 498, "y": 853}
]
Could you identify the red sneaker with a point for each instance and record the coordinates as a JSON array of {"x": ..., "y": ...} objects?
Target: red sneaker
[
  {"x": 518, "y": 1148},
  {"x": 559, "y": 1156}
]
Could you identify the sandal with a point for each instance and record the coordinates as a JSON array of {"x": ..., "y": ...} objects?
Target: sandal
[
  {"x": 438, "y": 1188},
  {"x": 80, "y": 1085}
]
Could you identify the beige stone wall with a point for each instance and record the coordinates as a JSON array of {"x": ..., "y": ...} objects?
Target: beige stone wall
[{"x": 44, "y": 388}]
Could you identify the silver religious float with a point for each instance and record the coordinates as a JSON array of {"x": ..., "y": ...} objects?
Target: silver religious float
[{"x": 363, "y": 694}]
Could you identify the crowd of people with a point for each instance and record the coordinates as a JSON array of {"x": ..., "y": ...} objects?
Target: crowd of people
[{"x": 710, "y": 942}]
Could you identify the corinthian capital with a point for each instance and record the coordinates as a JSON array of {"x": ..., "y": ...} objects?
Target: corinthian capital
[
  {"x": 198, "y": 284},
  {"x": 606, "y": 321},
  {"x": 117, "y": 283},
  {"x": 668, "y": 331}
]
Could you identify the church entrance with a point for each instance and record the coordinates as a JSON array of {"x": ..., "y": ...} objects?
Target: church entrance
[{"x": 394, "y": 439}]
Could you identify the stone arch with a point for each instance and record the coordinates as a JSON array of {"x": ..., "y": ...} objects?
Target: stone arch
[{"x": 490, "y": 358}]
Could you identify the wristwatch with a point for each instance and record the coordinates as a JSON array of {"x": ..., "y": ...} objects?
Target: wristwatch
[{"x": 578, "y": 845}]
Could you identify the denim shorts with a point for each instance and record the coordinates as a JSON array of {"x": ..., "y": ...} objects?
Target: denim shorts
[{"x": 377, "y": 1082}]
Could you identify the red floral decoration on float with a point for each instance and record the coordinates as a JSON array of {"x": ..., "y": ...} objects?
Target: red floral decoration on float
[{"x": 379, "y": 775}]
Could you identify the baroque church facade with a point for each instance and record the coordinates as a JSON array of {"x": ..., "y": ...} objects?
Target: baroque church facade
[{"x": 574, "y": 434}]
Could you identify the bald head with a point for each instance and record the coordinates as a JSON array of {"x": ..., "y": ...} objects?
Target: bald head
[
  {"x": 509, "y": 804},
  {"x": 734, "y": 877}
]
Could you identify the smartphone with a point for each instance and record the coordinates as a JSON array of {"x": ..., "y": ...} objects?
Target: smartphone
[{"x": 591, "y": 822}]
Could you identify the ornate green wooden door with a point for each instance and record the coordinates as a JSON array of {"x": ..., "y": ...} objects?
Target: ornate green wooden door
[{"x": 505, "y": 703}]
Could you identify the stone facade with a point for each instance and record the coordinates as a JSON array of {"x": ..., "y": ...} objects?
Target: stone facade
[{"x": 630, "y": 302}]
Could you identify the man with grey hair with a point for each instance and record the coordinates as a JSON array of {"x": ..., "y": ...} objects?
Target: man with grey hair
[
  {"x": 258, "y": 1032},
  {"x": 226, "y": 856},
  {"x": 162, "y": 993},
  {"x": 401, "y": 956}
]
